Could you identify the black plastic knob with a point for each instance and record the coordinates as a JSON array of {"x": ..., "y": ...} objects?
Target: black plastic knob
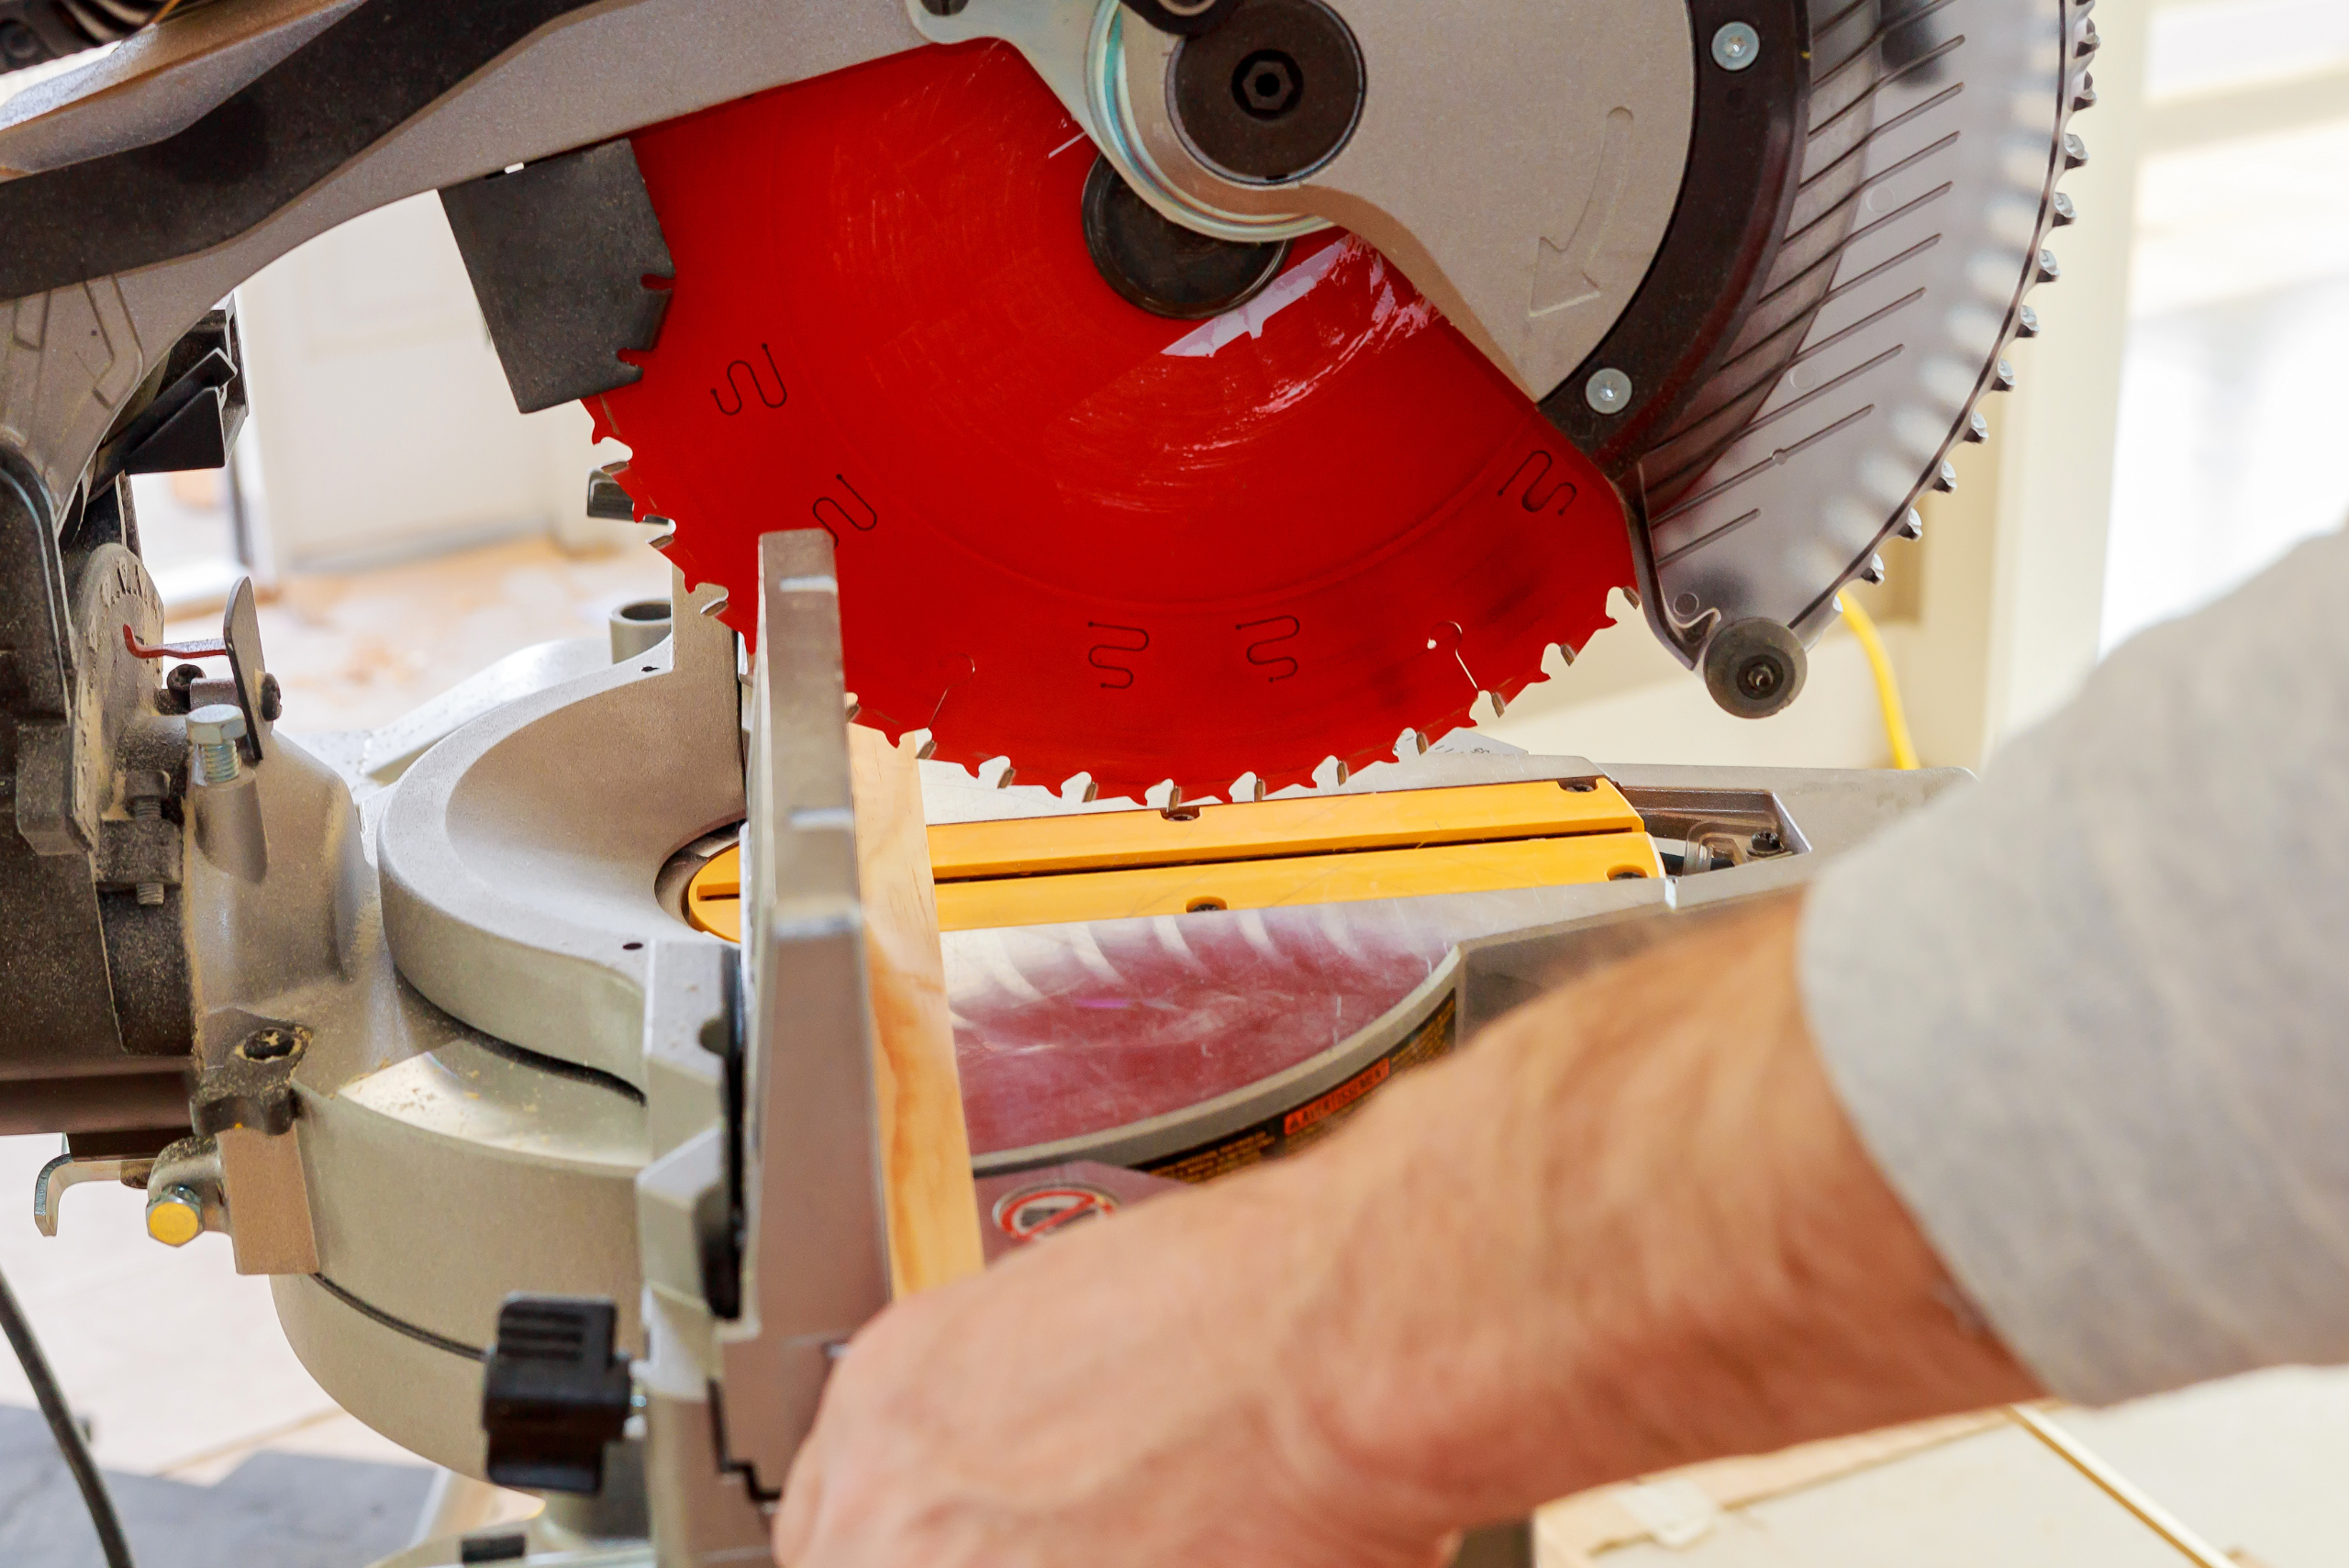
[{"x": 554, "y": 1393}]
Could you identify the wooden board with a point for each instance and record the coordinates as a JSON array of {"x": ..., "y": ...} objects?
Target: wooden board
[{"x": 925, "y": 1149}]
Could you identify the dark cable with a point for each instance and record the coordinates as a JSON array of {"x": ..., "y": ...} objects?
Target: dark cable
[{"x": 60, "y": 1426}]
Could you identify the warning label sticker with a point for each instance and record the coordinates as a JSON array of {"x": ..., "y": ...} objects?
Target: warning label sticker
[{"x": 1035, "y": 1211}]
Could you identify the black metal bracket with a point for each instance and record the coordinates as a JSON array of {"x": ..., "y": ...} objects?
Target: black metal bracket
[{"x": 559, "y": 252}]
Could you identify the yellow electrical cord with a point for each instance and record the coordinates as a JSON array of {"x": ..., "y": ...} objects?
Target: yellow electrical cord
[{"x": 1888, "y": 686}]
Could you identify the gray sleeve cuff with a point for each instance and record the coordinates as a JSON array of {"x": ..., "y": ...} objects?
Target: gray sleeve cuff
[{"x": 2092, "y": 1015}]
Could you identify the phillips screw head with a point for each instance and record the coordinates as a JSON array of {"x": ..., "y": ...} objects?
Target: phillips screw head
[
  {"x": 1736, "y": 46},
  {"x": 1607, "y": 391}
]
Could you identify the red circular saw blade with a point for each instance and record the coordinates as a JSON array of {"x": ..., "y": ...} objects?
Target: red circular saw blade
[{"x": 1070, "y": 532}]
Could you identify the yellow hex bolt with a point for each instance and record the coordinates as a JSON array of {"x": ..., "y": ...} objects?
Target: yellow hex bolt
[{"x": 174, "y": 1217}]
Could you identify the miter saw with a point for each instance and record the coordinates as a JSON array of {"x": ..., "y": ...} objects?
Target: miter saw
[{"x": 1182, "y": 411}]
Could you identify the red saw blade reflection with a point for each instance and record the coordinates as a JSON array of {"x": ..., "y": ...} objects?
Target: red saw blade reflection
[{"x": 1070, "y": 532}]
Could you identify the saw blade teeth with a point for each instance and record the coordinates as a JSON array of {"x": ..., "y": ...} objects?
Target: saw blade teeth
[
  {"x": 1079, "y": 789},
  {"x": 925, "y": 744}
]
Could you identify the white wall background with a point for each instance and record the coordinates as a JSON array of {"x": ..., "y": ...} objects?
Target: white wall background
[
  {"x": 2234, "y": 401},
  {"x": 383, "y": 425}
]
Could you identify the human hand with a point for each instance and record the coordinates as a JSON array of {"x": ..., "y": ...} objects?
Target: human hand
[{"x": 1140, "y": 1391}]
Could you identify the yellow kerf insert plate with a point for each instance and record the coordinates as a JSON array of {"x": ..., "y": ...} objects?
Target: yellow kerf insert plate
[{"x": 1327, "y": 849}]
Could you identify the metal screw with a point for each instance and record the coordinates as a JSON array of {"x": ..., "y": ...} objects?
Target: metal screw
[
  {"x": 214, "y": 731},
  {"x": 1760, "y": 677},
  {"x": 1608, "y": 391},
  {"x": 1268, "y": 83},
  {"x": 147, "y": 809},
  {"x": 271, "y": 1044},
  {"x": 174, "y": 1216},
  {"x": 1736, "y": 46},
  {"x": 1768, "y": 842},
  {"x": 178, "y": 687}
]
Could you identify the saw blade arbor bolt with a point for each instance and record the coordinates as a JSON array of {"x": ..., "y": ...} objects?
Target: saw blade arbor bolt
[
  {"x": 1607, "y": 391},
  {"x": 1736, "y": 46},
  {"x": 1267, "y": 84},
  {"x": 1272, "y": 93},
  {"x": 214, "y": 732}
]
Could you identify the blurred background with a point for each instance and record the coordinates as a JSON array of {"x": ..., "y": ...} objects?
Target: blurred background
[{"x": 2177, "y": 427}]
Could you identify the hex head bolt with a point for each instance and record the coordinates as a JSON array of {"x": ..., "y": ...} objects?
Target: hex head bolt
[
  {"x": 214, "y": 732},
  {"x": 174, "y": 1216}
]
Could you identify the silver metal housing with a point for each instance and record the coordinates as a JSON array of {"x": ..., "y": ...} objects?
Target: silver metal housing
[{"x": 1924, "y": 191}]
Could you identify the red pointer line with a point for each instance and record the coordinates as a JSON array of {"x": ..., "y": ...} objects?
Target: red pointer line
[{"x": 216, "y": 648}]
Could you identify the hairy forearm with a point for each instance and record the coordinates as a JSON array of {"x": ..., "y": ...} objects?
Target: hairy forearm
[{"x": 1629, "y": 1228}]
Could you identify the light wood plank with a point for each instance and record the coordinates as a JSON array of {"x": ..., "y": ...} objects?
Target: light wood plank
[{"x": 925, "y": 1148}]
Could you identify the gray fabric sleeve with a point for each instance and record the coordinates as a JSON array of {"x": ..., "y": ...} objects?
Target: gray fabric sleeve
[{"x": 2091, "y": 1015}]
